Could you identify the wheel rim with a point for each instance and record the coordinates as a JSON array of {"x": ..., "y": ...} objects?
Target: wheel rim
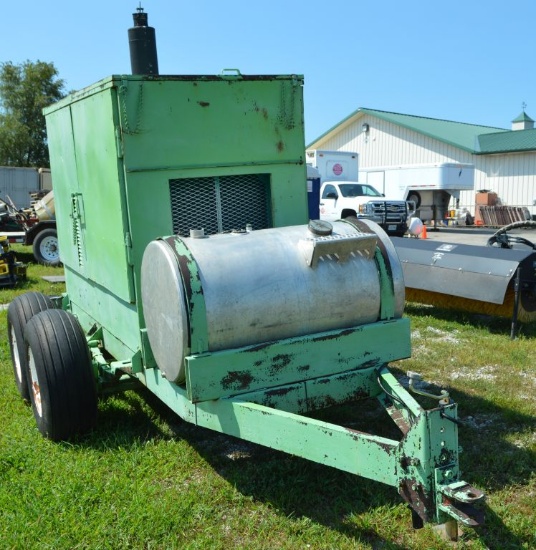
[
  {"x": 49, "y": 249},
  {"x": 34, "y": 385},
  {"x": 16, "y": 357}
]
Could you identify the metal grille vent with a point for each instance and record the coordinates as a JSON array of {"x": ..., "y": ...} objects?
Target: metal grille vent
[{"x": 221, "y": 203}]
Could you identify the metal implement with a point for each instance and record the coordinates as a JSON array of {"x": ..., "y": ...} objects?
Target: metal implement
[
  {"x": 11, "y": 270},
  {"x": 35, "y": 226},
  {"x": 484, "y": 279},
  {"x": 191, "y": 269}
]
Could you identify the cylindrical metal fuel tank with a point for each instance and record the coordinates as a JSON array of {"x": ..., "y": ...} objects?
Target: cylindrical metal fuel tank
[{"x": 262, "y": 286}]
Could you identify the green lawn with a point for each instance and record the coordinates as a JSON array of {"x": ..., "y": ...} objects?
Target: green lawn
[{"x": 145, "y": 479}]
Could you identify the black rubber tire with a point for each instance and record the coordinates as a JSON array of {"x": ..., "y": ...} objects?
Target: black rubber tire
[
  {"x": 416, "y": 198},
  {"x": 63, "y": 389},
  {"x": 19, "y": 312},
  {"x": 45, "y": 247}
]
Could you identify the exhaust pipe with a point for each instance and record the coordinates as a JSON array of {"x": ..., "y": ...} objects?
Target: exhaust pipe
[{"x": 142, "y": 44}]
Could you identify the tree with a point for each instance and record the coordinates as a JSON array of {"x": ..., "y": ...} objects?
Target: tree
[{"x": 25, "y": 90}]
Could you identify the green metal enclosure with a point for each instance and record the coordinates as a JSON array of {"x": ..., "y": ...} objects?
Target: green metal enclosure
[{"x": 135, "y": 158}]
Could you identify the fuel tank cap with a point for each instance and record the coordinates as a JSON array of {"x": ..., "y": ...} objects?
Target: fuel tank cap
[{"x": 320, "y": 228}]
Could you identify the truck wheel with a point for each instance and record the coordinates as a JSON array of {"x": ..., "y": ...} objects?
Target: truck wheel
[
  {"x": 19, "y": 312},
  {"x": 62, "y": 386},
  {"x": 45, "y": 247}
]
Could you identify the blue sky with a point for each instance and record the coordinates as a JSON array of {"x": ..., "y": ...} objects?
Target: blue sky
[{"x": 468, "y": 61}]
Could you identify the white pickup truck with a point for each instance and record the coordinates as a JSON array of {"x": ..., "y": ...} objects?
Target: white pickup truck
[{"x": 341, "y": 199}]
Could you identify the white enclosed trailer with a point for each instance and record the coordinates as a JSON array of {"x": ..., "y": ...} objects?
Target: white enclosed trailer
[
  {"x": 431, "y": 187},
  {"x": 334, "y": 165}
]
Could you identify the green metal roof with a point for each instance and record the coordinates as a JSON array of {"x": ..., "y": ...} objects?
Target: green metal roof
[
  {"x": 513, "y": 141},
  {"x": 473, "y": 138},
  {"x": 458, "y": 134},
  {"x": 523, "y": 117}
]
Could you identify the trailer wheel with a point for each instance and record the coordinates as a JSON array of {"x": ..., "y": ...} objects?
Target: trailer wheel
[
  {"x": 416, "y": 198},
  {"x": 19, "y": 312},
  {"x": 62, "y": 386},
  {"x": 45, "y": 247}
]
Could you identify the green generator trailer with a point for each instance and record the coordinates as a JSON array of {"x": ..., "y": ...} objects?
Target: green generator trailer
[{"x": 191, "y": 267}]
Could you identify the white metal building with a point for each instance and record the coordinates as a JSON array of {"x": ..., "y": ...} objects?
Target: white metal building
[{"x": 504, "y": 160}]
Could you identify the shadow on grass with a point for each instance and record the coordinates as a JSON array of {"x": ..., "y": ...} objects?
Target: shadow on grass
[
  {"x": 26, "y": 256},
  {"x": 294, "y": 487},
  {"x": 354, "y": 506}
]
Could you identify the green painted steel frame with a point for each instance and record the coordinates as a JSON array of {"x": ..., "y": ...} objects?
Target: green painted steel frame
[
  {"x": 421, "y": 465},
  {"x": 220, "y": 374}
]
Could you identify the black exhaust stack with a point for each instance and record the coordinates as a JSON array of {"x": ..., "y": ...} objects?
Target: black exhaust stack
[{"x": 142, "y": 43}]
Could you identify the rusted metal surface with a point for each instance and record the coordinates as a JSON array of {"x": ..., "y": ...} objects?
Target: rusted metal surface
[
  {"x": 419, "y": 498},
  {"x": 463, "y": 502},
  {"x": 297, "y": 359},
  {"x": 237, "y": 381}
]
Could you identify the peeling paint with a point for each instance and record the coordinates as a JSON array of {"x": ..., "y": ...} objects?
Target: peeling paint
[
  {"x": 279, "y": 392},
  {"x": 418, "y": 498},
  {"x": 237, "y": 380},
  {"x": 341, "y": 334},
  {"x": 281, "y": 361}
]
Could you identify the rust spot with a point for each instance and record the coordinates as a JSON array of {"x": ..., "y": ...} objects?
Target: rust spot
[
  {"x": 418, "y": 498},
  {"x": 360, "y": 394},
  {"x": 258, "y": 347},
  {"x": 356, "y": 434},
  {"x": 280, "y": 361},
  {"x": 278, "y": 392},
  {"x": 368, "y": 364},
  {"x": 406, "y": 462},
  {"x": 324, "y": 401},
  {"x": 280, "y": 146},
  {"x": 186, "y": 272},
  {"x": 304, "y": 368},
  {"x": 237, "y": 380},
  {"x": 445, "y": 457},
  {"x": 329, "y": 401},
  {"x": 399, "y": 420},
  {"x": 336, "y": 336},
  {"x": 203, "y": 103}
]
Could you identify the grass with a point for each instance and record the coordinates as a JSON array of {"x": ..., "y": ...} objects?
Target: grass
[{"x": 145, "y": 479}]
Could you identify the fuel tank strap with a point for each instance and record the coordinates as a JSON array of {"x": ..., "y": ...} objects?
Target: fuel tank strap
[{"x": 387, "y": 304}]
